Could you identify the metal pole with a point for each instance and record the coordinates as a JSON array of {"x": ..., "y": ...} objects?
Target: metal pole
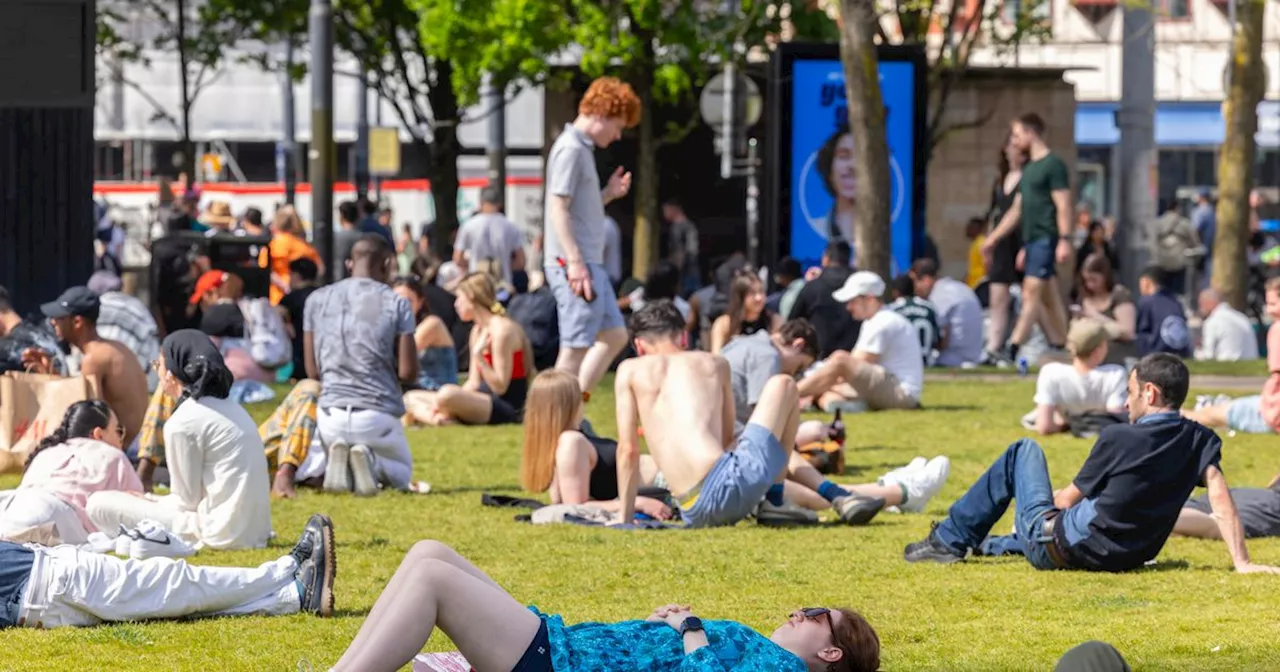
[
  {"x": 286, "y": 161},
  {"x": 1136, "y": 121},
  {"x": 377, "y": 121},
  {"x": 322, "y": 154},
  {"x": 498, "y": 138},
  {"x": 726, "y": 134},
  {"x": 361, "y": 172},
  {"x": 753, "y": 203}
]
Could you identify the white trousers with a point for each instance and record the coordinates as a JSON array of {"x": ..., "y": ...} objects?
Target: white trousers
[
  {"x": 70, "y": 588},
  {"x": 29, "y": 508},
  {"x": 109, "y": 510},
  {"x": 381, "y": 432}
]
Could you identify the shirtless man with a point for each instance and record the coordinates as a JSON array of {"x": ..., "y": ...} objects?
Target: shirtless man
[
  {"x": 122, "y": 380},
  {"x": 685, "y": 403}
]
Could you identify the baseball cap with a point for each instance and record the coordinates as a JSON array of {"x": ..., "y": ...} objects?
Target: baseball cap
[
  {"x": 102, "y": 282},
  {"x": 1085, "y": 336},
  {"x": 208, "y": 282},
  {"x": 77, "y": 301},
  {"x": 862, "y": 283}
]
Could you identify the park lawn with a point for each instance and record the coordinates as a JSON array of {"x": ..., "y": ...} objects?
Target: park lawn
[{"x": 1188, "y": 612}]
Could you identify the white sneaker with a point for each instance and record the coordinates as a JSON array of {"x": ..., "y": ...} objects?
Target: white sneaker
[
  {"x": 122, "y": 541},
  {"x": 150, "y": 540},
  {"x": 361, "y": 462},
  {"x": 1029, "y": 420},
  {"x": 922, "y": 485},
  {"x": 895, "y": 476},
  {"x": 337, "y": 475}
]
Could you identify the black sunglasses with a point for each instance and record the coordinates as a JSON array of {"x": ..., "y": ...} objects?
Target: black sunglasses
[{"x": 815, "y": 613}]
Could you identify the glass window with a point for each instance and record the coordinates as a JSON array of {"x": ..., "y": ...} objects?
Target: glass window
[
  {"x": 1204, "y": 168},
  {"x": 1174, "y": 172},
  {"x": 1176, "y": 9},
  {"x": 1266, "y": 171}
]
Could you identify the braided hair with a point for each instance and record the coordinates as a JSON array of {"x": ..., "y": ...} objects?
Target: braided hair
[{"x": 81, "y": 419}]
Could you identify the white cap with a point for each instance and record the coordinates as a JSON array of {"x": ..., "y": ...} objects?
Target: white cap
[{"x": 862, "y": 283}]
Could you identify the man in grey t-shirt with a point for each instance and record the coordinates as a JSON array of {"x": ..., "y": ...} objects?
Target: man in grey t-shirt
[
  {"x": 345, "y": 238},
  {"x": 754, "y": 359},
  {"x": 358, "y": 342},
  {"x": 592, "y": 331},
  {"x": 489, "y": 241},
  {"x": 959, "y": 314}
]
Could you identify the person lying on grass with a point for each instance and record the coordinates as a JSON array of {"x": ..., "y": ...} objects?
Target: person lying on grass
[
  {"x": 1258, "y": 508},
  {"x": 435, "y": 586},
  {"x": 684, "y": 402},
  {"x": 1086, "y": 385},
  {"x": 1121, "y": 507},
  {"x": 64, "y": 586}
]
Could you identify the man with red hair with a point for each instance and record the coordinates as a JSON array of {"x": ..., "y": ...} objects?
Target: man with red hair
[{"x": 592, "y": 331}]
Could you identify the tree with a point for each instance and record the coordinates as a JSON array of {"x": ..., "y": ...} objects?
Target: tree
[
  {"x": 871, "y": 148},
  {"x": 1235, "y": 166}
]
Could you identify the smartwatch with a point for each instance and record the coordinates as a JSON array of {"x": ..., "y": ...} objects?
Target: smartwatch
[{"x": 691, "y": 624}]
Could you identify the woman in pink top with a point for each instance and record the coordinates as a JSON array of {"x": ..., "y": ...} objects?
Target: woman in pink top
[
  {"x": 84, "y": 455},
  {"x": 1259, "y": 414}
]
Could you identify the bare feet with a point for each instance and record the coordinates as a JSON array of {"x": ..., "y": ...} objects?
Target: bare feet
[{"x": 283, "y": 485}]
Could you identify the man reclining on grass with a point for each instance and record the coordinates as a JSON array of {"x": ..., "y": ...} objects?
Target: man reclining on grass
[
  {"x": 684, "y": 400},
  {"x": 1123, "y": 504},
  {"x": 436, "y": 586},
  {"x": 64, "y": 586},
  {"x": 1258, "y": 508},
  {"x": 1086, "y": 385}
]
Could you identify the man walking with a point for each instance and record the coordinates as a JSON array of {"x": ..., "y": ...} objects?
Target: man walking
[
  {"x": 1043, "y": 207},
  {"x": 592, "y": 331}
]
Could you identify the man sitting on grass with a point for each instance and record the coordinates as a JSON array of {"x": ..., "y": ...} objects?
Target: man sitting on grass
[
  {"x": 1084, "y": 386},
  {"x": 65, "y": 586},
  {"x": 886, "y": 368},
  {"x": 684, "y": 401},
  {"x": 1123, "y": 504}
]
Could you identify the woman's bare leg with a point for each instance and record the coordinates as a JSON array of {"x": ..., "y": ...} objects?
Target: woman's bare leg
[
  {"x": 998, "y": 325},
  {"x": 419, "y": 406},
  {"x": 466, "y": 406},
  {"x": 436, "y": 586}
]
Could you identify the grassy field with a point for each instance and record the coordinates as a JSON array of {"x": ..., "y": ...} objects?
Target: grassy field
[{"x": 1188, "y": 612}]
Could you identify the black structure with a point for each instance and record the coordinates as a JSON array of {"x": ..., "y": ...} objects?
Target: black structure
[{"x": 46, "y": 147}]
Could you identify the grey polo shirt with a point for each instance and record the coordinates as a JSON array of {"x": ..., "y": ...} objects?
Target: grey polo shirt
[{"x": 571, "y": 171}]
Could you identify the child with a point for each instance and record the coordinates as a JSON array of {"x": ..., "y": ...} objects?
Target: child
[{"x": 975, "y": 231}]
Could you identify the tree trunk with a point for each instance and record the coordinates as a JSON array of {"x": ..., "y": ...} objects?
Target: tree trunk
[
  {"x": 445, "y": 149},
  {"x": 866, "y": 121},
  {"x": 644, "y": 251},
  {"x": 1235, "y": 167},
  {"x": 188, "y": 147}
]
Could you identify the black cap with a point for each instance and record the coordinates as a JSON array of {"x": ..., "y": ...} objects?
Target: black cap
[{"x": 77, "y": 301}]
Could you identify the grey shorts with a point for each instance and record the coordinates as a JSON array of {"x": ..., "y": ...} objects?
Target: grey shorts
[
  {"x": 581, "y": 320},
  {"x": 738, "y": 480}
]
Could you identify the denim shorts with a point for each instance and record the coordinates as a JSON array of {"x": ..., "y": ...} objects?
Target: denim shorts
[
  {"x": 1039, "y": 261},
  {"x": 1245, "y": 415},
  {"x": 581, "y": 320},
  {"x": 739, "y": 479}
]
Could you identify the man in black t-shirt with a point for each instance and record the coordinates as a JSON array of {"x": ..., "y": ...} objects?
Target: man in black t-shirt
[
  {"x": 837, "y": 330},
  {"x": 1123, "y": 504}
]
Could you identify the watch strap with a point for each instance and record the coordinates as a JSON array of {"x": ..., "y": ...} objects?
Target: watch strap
[{"x": 690, "y": 624}]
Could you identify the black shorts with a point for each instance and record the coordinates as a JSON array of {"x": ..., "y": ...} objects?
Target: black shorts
[
  {"x": 508, "y": 409},
  {"x": 536, "y": 658}
]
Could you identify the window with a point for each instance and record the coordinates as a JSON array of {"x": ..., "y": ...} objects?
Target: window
[{"x": 1174, "y": 9}]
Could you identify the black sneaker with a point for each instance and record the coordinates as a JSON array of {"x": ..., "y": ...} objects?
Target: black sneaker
[
  {"x": 997, "y": 359},
  {"x": 856, "y": 509},
  {"x": 317, "y": 565},
  {"x": 931, "y": 550}
]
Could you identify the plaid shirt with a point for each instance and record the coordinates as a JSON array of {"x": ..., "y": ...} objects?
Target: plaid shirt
[{"x": 125, "y": 319}]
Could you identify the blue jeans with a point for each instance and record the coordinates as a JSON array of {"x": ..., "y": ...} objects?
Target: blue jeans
[{"x": 1020, "y": 474}]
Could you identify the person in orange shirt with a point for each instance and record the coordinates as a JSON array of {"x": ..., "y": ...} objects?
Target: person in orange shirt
[{"x": 287, "y": 246}]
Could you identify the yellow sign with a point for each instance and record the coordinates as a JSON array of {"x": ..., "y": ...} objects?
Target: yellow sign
[{"x": 384, "y": 152}]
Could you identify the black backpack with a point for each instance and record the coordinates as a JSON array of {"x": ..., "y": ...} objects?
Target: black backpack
[{"x": 536, "y": 314}]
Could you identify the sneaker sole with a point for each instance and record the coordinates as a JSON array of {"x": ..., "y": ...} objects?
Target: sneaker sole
[
  {"x": 330, "y": 569},
  {"x": 337, "y": 475},
  {"x": 361, "y": 463},
  {"x": 863, "y": 514},
  {"x": 771, "y": 521}
]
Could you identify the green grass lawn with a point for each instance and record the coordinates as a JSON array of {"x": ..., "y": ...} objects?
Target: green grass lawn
[{"x": 1190, "y": 612}]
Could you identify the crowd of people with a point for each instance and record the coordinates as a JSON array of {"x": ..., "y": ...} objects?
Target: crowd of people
[{"x": 714, "y": 379}]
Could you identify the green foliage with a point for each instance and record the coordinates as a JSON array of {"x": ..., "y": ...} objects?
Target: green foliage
[{"x": 987, "y": 615}]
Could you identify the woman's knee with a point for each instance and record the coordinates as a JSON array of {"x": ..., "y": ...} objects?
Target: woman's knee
[
  {"x": 430, "y": 549},
  {"x": 447, "y": 394}
]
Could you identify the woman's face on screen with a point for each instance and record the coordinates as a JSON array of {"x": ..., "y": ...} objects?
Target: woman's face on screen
[{"x": 843, "y": 176}]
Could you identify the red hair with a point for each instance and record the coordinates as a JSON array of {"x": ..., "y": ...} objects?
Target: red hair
[{"x": 611, "y": 97}]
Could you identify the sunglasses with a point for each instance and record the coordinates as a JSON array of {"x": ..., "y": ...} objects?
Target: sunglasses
[{"x": 816, "y": 613}]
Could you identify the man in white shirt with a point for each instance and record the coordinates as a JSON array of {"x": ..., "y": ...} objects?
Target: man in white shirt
[
  {"x": 959, "y": 314},
  {"x": 886, "y": 368},
  {"x": 489, "y": 241},
  {"x": 1227, "y": 335},
  {"x": 1083, "y": 386}
]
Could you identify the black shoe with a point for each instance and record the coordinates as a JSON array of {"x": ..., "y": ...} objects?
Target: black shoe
[
  {"x": 997, "y": 359},
  {"x": 317, "y": 565},
  {"x": 932, "y": 550},
  {"x": 857, "y": 510}
]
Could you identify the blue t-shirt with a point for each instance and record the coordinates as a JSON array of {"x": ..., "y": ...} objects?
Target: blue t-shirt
[
  {"x": 1162, "y": 326},
  {"x": 355, "y": 325},
  {"x": 1135, "y": 482},
  {"x": 640, "y": 645}
]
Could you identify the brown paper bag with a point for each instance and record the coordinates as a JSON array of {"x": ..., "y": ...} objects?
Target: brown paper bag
[{"x": 26, "y": 399}]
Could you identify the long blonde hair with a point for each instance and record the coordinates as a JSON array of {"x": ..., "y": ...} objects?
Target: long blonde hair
[
  {"x": 550, "y": 410},
  {"x": 483, "y": 295}
]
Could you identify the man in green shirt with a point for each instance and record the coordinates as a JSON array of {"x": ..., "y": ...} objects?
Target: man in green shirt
[{"x": 1043, "y": 207}]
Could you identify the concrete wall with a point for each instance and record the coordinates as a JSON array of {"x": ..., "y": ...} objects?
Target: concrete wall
[{"x": 964, "y": 166}]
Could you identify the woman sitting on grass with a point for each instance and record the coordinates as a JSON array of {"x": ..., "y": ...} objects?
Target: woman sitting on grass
[
  {"x": 501, "y": 366},
  {"x": 437, "y": 355},
  {"x": 746, "y": 313},
  {"x": 573, "y": 467},
  {"x": 436, "y": 586},
  {"x": 82, "y": 456}
]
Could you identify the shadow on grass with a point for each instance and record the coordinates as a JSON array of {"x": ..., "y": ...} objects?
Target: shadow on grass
[
  {"x": 462, "y": 490},
  {"x": 953, "y": 408}
]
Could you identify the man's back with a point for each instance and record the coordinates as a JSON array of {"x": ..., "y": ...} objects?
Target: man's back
[
  {"x": 753, "y": 360},
  {"x": 889, "y": 336},
  {"x": 490, "y": 238},
  {"x": 1173, "y": 238},
  {"x": 1162, "y": 325},
  {"x": 354, "y": 327},
  {"x": 923, "y": 318},
  {"x": 124, "y": 383},
  {"x": 680, "y": 399},
  {"x": 837, "y": 330},
  {"x": 1073, "y": 393},
  {"x": 960, "y": 313},
  {"x": 1134, "y": 483},
  {"x": 1228, "y": 336}
]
